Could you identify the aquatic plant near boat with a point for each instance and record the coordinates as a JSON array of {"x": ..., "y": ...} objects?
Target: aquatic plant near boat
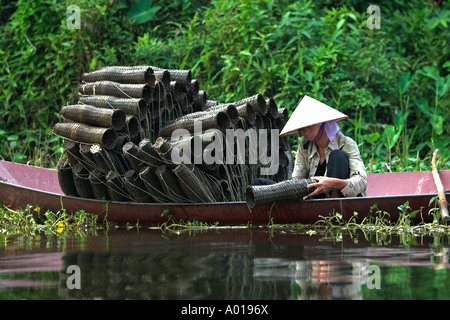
[
  {"x": 379, "y": 221},
  {"x": 174, "y": 225},
  {"x": 30, "y": 221}
]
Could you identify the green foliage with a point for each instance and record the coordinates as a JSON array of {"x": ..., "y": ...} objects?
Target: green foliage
[
  {"x": 393, "y": 82},
  {"x": 142, "y": 11},
  {"x": 382, "y": 224},
  {"x": 31, "y": 221},
  {"x": 172, "y": 225}
]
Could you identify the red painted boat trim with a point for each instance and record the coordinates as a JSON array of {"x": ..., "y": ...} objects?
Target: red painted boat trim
[{"x": 37, "y": 186}]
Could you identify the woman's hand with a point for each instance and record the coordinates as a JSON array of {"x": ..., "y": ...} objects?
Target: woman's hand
[{"x": 324, "y": 184}]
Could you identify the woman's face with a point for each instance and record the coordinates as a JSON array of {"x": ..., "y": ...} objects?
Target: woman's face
[{"x": 309, "y": 132}]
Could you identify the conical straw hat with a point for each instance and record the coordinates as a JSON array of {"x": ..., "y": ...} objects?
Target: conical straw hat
[{"x": 309, "y": 112}]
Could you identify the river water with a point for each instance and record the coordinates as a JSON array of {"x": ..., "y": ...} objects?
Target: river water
[{"x": 224, "y": 264}]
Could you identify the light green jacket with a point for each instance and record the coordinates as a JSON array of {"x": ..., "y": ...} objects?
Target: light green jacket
[{"x": 308, "y": 158}]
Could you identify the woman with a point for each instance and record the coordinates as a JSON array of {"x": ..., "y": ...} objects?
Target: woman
[
  {"x": 332, "y": 159},
  {"x": 326, "y": 155}
]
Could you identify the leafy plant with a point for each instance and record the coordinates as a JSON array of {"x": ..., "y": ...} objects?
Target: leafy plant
[
  {"x": 393, "y": 82},
  {"x": 142, "y": 11},
  {"x": 31, "y": 221}
]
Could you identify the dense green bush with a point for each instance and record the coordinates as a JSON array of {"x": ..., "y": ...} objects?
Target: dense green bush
[{"x": 393, "y": 82}]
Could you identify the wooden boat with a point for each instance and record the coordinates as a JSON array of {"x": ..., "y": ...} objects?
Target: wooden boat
[{"x": 23, "y": 184}]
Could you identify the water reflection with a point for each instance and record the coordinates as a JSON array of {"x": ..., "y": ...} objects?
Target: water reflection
[{"x": 225, "y": 264}]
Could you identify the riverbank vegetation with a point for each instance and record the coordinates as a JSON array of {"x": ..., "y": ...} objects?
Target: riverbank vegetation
[{"x": 393, "y": 82}]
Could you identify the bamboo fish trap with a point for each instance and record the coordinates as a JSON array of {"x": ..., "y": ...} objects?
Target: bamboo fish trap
[
  {"x": 109, "y": 118},
  {"x": 80, "y": 132},
  {"x": 115, "y": 89},
  {"x": 133, "y": 76},
  {"x": 293, "y": 189}
]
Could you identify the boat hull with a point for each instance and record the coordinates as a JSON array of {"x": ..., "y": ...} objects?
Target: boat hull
[
  {"x": 43, "y": 191},
  {"x": 305, "y": 212}
]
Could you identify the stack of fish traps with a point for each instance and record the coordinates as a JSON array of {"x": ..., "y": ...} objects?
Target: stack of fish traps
[{"x": 118, "y": 138}]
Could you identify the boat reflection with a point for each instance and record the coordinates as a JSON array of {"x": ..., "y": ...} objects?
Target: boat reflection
[
  {"x": 247, "y": 264},
  {"x": 226, "y": 264}
]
